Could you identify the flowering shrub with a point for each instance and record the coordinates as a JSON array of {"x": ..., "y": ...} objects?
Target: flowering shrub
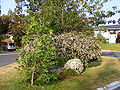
[{"x": 76, "y": 45}]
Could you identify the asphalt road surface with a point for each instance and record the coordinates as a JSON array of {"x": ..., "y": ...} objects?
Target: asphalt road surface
[
  {"x": 118, "y": 88},
  {"x": 111, "y": 54},
  {"x": 8, "y": 58}
]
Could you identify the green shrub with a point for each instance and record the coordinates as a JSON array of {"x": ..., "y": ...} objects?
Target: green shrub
[
  {"x": 100, "y": 38},
  {"x": 67, "y": 73},
  {"x": 70, "y": 72},
  {"x": 48, "y": 79},
  {"x": 2, "y": 37},
  {"x": 94, "y": 63},
  {"x": 76, "y": 45}
]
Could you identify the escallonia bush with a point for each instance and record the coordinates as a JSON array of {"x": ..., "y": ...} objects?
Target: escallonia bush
[{"x": 77, "y": 45}]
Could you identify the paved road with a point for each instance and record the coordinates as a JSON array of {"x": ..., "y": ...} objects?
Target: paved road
[
  {"x": 8, "y": 58},
  {"x": 118, "y": 88},
  {"x": 111, "y": 54}
]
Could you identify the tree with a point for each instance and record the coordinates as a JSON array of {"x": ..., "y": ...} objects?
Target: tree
[
  {"x": 14, "y": 24},
  {"x": 119, "y": 21},
  {"x": 4, "y": 24},
  {"x": 17, "y": 27},
  {"x": 18, "y": 23},
  {"x": 67, "y": 15},
  {"x": 38, "y": 54}
]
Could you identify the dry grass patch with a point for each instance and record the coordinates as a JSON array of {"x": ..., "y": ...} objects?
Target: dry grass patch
[
  {"x": 8, "y": 68},
  {"x": 7, "y": 73}
]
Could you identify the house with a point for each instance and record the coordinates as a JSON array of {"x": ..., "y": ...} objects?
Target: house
[
  {"x": 9, "y": 38},
  {"x": 110, "y": 32}
]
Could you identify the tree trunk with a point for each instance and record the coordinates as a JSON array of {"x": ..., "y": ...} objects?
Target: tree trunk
[
  {"x": 62, "y": 18},
  {"x": 32, "y": 78}
]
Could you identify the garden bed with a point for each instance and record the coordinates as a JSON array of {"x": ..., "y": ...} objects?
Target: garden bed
[{"x": 92, "y": 78}]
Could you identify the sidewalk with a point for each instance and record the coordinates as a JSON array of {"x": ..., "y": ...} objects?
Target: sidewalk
[{"x": 112, "y": 86}]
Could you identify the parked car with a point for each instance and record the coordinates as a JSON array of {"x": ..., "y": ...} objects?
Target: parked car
[{"x": 6, "y": 46}]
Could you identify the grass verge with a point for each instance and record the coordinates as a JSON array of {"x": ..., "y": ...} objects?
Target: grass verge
[
  {"x": 92, "y": 78},
  {"x": 110, "y": 47}
]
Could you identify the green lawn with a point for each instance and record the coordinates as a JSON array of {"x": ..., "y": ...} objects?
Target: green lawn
[
  {"x": 92, "y": 78},
  {"x": 111, "y": 46}
]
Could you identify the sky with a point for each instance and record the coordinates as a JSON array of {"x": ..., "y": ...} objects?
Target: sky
[
  {"x": 10, "y": 4},
  {"x": 6, "y": 5},
  {"x": 108, "y": 6}
]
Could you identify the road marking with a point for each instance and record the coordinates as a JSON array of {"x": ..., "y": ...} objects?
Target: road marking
[{"x": 4, "y": 54}]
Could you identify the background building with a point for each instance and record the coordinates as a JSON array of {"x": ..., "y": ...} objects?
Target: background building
[{"x": 110, "y": 32}]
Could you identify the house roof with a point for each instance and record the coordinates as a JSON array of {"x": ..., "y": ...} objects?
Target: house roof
[
  {"x": 7, "y": 40},
  {"x": 108, "y": 27}
]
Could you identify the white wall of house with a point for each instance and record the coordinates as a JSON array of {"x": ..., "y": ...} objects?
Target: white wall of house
[
  {"x": 109, "y": 35},
  {"x": 10, "y": 36},
  {"x": 105, "y": 34},
  {"x": 112, "y": 38}
]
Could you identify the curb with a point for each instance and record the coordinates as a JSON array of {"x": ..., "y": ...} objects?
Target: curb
[
  {"x": 109, "y": 51},
  {"x": 111, "y": 86},
  {"x": 9, "y": 53}
]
